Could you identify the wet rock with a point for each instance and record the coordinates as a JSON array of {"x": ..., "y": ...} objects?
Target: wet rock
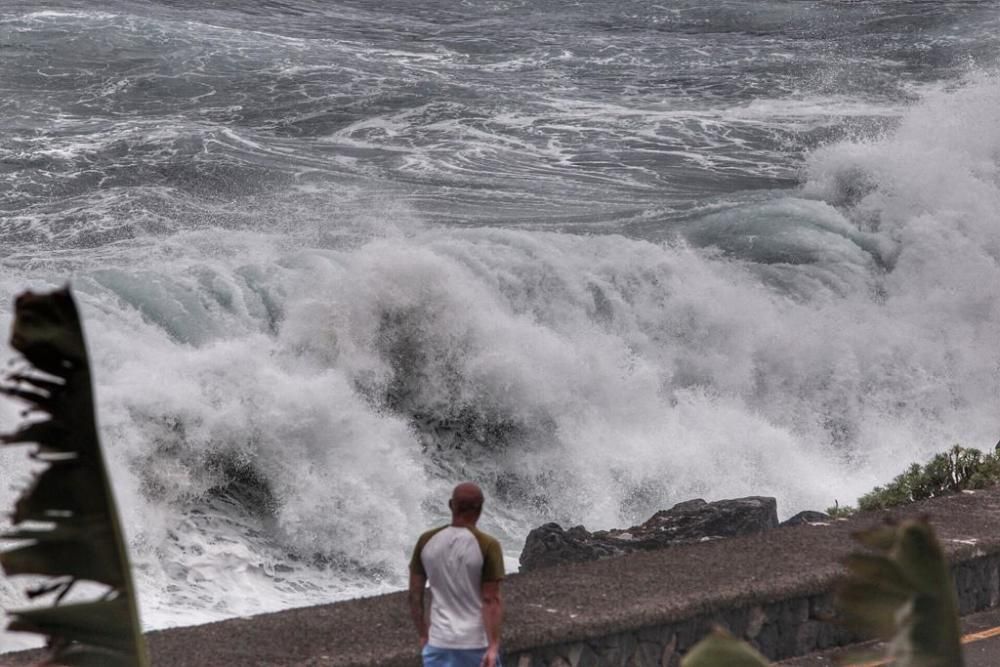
[
  {"x": 808, "y": 516},
  {"x": 549, "y": 544},
  {"x": 690, "y": 521}
]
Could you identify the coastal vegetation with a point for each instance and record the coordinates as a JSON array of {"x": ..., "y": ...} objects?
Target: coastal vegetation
[
  {"x": 958, "y": 469},
  {"x": 66, "y": 525}
]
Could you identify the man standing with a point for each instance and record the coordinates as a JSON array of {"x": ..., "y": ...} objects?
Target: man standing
[{"x": 464, "y": 567}]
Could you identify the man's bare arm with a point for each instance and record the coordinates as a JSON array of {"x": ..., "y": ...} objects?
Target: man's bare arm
[
  {"x": 492, "y": 619},
  {"x": 417, "y": 584}
]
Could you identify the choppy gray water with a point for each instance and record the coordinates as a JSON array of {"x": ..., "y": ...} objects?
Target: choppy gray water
[{"x": 600, "y": 256}]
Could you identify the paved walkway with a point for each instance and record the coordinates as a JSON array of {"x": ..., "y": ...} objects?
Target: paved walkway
[{"x": 582, "y": 600}]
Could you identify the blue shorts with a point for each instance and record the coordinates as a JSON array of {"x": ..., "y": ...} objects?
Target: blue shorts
[{"x": 453, "y": 657}]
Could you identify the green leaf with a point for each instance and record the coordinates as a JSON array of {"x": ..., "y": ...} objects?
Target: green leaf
[
  {"x": 48, "y": 433},
  {"x": 880, "y": 538},
  {"x": 921, "y": 558},
  {"x": 47, "y": 331},
  {"x": 878, "y": 571},
  {"x": 933, "y": 622},
  {"x": 104, "y": 623},
  {"x": 868, "y": 609},
  {"x": 83, "y": 538},
  {"x": 91, "y": 557},
  {"x": 77, "y": 656},
  {"x": 721, "y": 648},
  {"x": 928, "y": 643},
  {"x": 64, "y": 530},
  {"x": 905, "y": 597},
  {"x": 41, "y": 401},
  {"x": 47, "y": 385},
  {"x": 65, "y": 486}
]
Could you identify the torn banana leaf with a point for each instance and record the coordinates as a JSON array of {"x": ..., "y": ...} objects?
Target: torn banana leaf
[
  {"x": 104, "y": 623},
  {"x": 66, "y": 520},
  {"x": 90, "y": 657},
  {"x": 48, "y": 433},
  {"x": 64, "y": 487},
  {"x": 91, "y": 558}
]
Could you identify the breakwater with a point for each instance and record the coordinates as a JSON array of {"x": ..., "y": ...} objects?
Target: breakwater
[{"x": 648, "y": 608}]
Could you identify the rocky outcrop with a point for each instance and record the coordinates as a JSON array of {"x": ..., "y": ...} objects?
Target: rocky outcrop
[
  {"x": 690, "y": 521},
  {"x": 808, "y": 516}
]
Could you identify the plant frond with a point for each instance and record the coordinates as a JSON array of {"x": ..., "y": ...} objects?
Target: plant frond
[
  {"x": 904, "y": 594},
  {"x": 721, "y": 648},
  {"x": 81, "y": 537}
]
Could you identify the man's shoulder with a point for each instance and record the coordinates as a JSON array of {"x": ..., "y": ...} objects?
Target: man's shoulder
[
  {"x": 428, "y": 534},
  {"x": 485, "y": 539},
  {"x": 489, "y": 546}
]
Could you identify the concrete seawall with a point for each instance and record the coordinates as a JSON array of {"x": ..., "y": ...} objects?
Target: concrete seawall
[{"x": 641, "y": 609}]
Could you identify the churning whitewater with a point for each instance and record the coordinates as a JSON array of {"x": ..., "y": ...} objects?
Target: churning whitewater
[{"x": 600, "y": 257}]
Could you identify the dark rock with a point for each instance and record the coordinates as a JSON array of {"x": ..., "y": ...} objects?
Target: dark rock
[
  {"x": 687, "y": 505},
  {"x": 550, "y": 544},
  {"x": 808, "y": 516},
  {"x": 695, "y": 520},
  {"x": 689, "y": 521}
]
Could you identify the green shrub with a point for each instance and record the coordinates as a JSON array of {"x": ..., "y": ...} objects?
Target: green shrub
[{"x": 957, "y": 469}]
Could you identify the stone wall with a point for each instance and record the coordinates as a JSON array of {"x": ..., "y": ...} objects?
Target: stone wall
[
  {"x": 779, "y": 630},
  {"x": 642, "y": 608}
]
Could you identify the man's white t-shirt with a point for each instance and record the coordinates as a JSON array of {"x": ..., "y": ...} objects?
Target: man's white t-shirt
[{"x": 456, "y": 561}]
